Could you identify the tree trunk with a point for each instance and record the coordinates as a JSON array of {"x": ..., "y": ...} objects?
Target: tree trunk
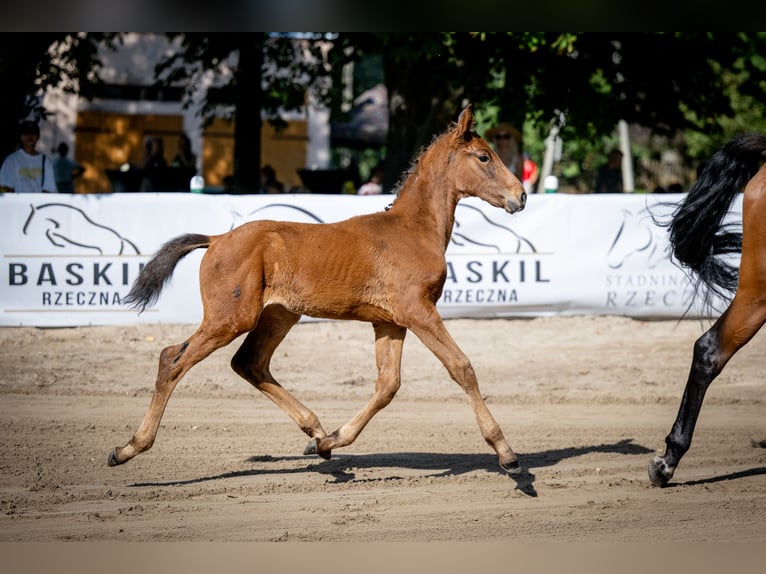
[{"x": 247, "y": 123}]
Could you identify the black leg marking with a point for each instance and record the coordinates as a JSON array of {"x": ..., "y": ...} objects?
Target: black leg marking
[{"x": 181, "y": 352}]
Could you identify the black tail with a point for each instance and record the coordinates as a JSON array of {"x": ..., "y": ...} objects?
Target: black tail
[
  {"x": 147, "y": 287},
  {"x": 698, "y": 237}
]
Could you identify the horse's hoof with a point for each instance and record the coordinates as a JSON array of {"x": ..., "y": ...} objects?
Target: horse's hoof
[
  {"x": 113, "y": 461},
  {"x": 313, "y": 448},
  {"x": 659, "y": 472},
  {"x": 513, "y": 468}
]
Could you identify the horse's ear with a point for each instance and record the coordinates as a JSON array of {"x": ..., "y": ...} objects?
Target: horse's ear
[{"x": 464, "y": 128}]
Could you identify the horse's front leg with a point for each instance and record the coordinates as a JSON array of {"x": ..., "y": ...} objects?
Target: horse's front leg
[
  {"x": 430, "y": 329},
  {"x": 389, "y": 340}
]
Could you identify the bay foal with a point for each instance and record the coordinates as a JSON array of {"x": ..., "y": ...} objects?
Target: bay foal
[{"x": 386, "y": 268}]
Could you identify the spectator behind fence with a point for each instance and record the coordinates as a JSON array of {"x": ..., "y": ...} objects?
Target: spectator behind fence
[
  {"x": 374, "y": 185},
  {"x": 184, "y": 157},
  {"x": 507, "y": 143},
  {"x": 154, "y": 163},
  {"x": 269, "y": 181},
  {"x": 27, "y": 170},
  {"x": 609, "y": 175},
  {"x": 155, "y": 154},
  {"x": 530, "y": 173},
  {"x": 66, "y": 170}
]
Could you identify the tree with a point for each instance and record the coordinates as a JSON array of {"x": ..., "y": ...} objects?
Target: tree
[
  {"x": 695, "y": 83},
  {"x": 668, "y": 82},
  {"x": 32, "y": 62},
  {"x": 253, "y": 73}
]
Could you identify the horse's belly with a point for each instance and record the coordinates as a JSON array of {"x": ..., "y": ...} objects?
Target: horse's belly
[{"x": 332, "y": 307}]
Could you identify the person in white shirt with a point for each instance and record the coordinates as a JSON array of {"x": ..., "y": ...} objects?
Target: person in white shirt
[{"x": 27, "y": 170}]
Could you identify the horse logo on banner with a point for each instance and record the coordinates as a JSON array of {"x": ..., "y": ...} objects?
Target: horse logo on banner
[
  {"x": 66, "y": 227},
  {"x": 638, "y": 236},
  {"x": 276, "y": 212},
  {"x": 490, "y": 237}
]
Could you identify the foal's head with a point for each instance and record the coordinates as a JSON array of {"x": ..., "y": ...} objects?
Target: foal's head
[{"x": 476, "y": 170}]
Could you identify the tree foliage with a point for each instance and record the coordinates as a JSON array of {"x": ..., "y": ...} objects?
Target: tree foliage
[
  {"x": 670, "y": 83},
  {"x": 249, "y": 74},
  {"x": 32, "y": 62},
  {"x": 705, "y": 86}
]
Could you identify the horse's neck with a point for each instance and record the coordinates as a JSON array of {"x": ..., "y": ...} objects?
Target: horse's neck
[{"x": 428, "y": 205}]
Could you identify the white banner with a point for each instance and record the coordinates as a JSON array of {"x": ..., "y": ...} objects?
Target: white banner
[{"x": 70, "y": 259}]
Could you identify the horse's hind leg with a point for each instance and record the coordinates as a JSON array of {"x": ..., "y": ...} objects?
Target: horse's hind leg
[
  {"x": 389, "y": 340},
  {"x": 252, "y": 359},
  {"x": 175, "y": 361},
  {"x": 738, "y": 324},
  {"x": 712, "y": 351}
]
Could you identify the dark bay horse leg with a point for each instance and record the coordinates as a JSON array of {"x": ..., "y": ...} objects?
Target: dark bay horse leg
[
  {"x": 430, "y": 329},
  {"x": 389, "y": 340},
  {"x": 175, "y": 361},
  {"x": 739, "y": 323},
  {"x": 252, "y": 360}
]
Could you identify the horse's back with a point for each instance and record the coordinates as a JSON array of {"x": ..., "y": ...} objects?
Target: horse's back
[{"x": 332, "y": 270}]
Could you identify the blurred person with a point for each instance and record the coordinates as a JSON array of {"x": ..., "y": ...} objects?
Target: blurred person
[
  {"x": 609, "y": 175},
  {"x": 269, "y": 181},
  {"x": 155, "y": 154},
  {"x": 154, "y": 163},
  {"x": 66, "y": 170},
  {"x": 374, "y": 185},
  {"x": 530, "y": 173},
  {"x": 184, "y": 157},
  {"x": 27, "y": 170},
  {"x": 507, "y": 142}
]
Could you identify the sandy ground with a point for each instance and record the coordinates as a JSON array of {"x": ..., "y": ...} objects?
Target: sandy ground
[{"x": 584, "y": 401}]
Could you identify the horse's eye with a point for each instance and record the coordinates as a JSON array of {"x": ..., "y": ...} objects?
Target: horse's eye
[{"x": 483, "y": 158}]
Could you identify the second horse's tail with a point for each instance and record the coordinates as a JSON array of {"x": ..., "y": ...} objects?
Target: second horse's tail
[
  {"x": 150, "y": 282},
  {"x": 698, "y": 237}
]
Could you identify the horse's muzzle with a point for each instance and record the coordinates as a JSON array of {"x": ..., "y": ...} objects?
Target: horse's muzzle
[{"x": 512, "y": 206}]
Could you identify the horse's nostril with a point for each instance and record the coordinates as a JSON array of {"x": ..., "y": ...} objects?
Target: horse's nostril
[{"x": 523, "y": 198}]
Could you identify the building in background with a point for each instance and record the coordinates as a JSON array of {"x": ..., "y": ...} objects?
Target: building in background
[{"x": 108, "y": 133}]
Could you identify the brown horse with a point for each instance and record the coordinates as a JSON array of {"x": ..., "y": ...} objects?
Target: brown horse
[
  {"x": 386, "y": 268},
  {"x": 702, "y": 243}
]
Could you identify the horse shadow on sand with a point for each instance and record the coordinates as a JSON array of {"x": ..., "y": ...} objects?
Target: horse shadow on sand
[{"x": 343, "y": 467}]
